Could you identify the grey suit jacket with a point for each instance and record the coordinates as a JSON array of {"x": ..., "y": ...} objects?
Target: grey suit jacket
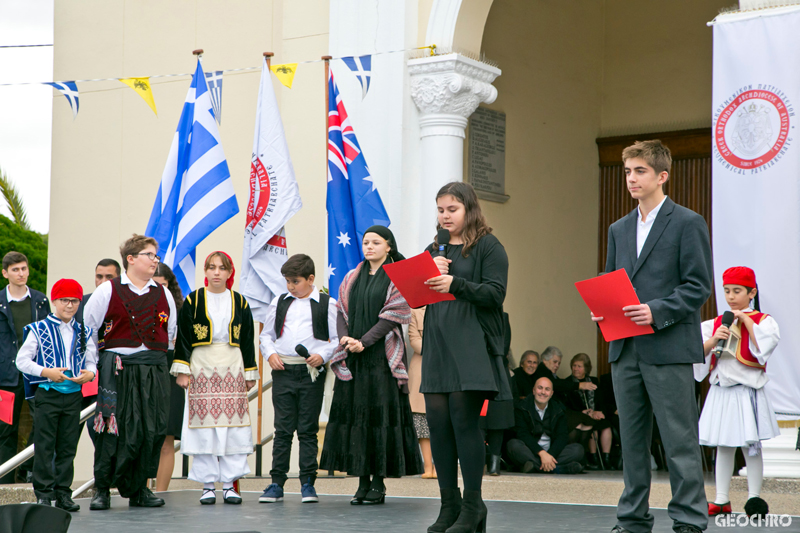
[{"x": 673, "y": 275}]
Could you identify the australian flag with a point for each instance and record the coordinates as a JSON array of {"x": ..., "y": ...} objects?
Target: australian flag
[{"x": 353, "y": 201}]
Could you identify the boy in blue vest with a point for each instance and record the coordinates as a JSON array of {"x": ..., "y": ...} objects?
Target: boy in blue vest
[
  {"x": 56, "y": 358},
  {"x": 303, "y": 316}
]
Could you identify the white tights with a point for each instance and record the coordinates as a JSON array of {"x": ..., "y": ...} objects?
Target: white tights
[{"x": 724, "y": 472}]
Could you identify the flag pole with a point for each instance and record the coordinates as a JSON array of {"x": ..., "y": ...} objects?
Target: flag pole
[
  {"x": 259, "y": 451},
  {"x": 326, "y": 60}
]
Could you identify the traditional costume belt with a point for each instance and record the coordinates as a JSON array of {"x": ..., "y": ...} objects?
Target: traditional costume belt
[
  {"x": 108, "y": 366},
  {"x": 298, "y": 360}
]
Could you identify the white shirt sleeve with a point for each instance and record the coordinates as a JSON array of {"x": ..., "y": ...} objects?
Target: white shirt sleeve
[
  {"x": 96, "y": 308},
  {"x": 268, "y": 335},
  {"x": 172, "y": 323},
  {"x": 333, "y": 342},
  {"x": 26, "y": 357},
  {"x": 90, "y": 363},
  {"x": 767, "y": 334},
  {"x": 701, "y": 370}
]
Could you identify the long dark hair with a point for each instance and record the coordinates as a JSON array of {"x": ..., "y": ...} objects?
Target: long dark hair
[
  {"x": 475, "y": 225},
  {"x": 165, "y": 272}
]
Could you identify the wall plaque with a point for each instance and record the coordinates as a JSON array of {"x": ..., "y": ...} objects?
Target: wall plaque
[{"x": 487, "y": 153}]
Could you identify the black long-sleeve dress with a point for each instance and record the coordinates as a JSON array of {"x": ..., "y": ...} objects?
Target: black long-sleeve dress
[
  {"x": 464, "y": 338},
  {"x": 371, "y": 429}
]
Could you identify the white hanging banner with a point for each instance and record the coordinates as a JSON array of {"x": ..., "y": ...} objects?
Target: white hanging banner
[{"x": 756, "y": 177}]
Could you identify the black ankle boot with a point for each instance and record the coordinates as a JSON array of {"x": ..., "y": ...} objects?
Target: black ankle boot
[
  {"x": 593, "y": 462},
  {"x": 607, "y": 462},
  {"x": 448, "y": 514},
  {"x": 493, "y": 467},
  {"x": 472, "y": 518}
]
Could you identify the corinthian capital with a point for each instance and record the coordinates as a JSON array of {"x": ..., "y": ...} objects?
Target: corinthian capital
[{"x": 451, "y": 84}]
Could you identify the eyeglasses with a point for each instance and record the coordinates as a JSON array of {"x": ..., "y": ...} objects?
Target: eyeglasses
[
  {"x": 69, "y": 302},
  {"x": 151, "y": 256}
]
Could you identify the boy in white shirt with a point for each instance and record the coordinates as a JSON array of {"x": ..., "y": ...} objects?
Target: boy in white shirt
[
  {"x": 57, "y": 357},
  {"x": 302, "y": 318}
]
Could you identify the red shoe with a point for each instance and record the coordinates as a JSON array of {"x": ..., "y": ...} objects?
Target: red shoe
[{"x": 714, "y": 509}]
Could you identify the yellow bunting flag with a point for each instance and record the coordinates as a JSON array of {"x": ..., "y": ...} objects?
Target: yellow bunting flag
[
  {"x": 285, "y": 73},
  {"x": 142, "y": 88}
]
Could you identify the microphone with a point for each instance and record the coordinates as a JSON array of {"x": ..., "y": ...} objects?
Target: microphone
[
  {"x": 727, "y": 320},
  {"x": 443, "y": 238},
  {"x": 302, "y": 351}
]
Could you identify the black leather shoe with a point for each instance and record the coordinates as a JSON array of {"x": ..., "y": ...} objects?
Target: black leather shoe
[
  {"x": 686, "y": 528},
  {"x": 358, "y": 498},
  {"x": 63, "y": 501},
  {"x": 619, "y": 529},
  {"x": 145, "y": 498},
  {"x": 374, "y": 497},
  {"x": 493, "y": 468},
  {"x": 472, "y": 518},
  {"x": 101, "y": 500},
  {"x": 607, "y": 463},
  {"x": 44, "y": 501}
]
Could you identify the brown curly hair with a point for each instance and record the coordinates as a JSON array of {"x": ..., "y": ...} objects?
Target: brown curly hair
[{"x": 475, "y": 225}]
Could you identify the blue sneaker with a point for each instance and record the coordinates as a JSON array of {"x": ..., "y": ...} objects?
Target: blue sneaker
[
  {"x": 308, "y": 493},
  {"x": 273, "y": 493}
]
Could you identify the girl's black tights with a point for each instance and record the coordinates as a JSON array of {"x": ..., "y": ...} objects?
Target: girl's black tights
[{"x": 456, "y": 437}]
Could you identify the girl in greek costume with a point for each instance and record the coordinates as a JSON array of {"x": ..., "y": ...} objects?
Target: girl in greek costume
[
  {"x": 737, "y": 412},
  {"x": 215, "y": 360},
  {"x": 371, "y": 429}
]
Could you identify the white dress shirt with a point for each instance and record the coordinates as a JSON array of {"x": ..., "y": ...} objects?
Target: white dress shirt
[
  {"x": 544, "y": 440},
  {"x": 26, "y": 357},
  {"x": 643, "y": 227},
  {"x": 728, "y": 371},
  {"x": 298, "y": 329},
  {"x": 96, "y": 308},
  {"x": 12, "y": 299}
]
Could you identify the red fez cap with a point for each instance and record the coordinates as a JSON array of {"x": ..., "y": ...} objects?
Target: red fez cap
[
  {"x": 66, "y": 288},
  {"x": 739, "y": 276}
]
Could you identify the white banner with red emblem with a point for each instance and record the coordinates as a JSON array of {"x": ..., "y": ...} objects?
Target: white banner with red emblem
[
  {"x": 756, "y": 176},
  {"x": 274, "y": 199}
]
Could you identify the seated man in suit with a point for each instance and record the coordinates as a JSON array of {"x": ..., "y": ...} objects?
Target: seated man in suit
[{"x": 541, "y": 436}]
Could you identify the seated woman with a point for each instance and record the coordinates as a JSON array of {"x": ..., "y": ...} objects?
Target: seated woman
[
  {"x": 523, "y": 380},
  {"x": 584, "y": 415}
]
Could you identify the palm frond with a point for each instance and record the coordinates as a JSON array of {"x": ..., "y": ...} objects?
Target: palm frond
[{"x": 13, "y": 201}]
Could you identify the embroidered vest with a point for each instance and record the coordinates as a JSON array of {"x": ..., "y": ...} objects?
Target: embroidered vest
[
  {"x": 52, "y": 352},
  {"x": 319, "y": 316},
  {"x": 201, "y": 328},
  {"x": 133, "y": 320},
  {"x": 743, "y": 354}
]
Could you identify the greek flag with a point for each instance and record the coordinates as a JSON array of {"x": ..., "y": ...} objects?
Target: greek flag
[
  {"x": 362, "y": 66},
  {"x": 196, "y": 192},
  {"x": 214, "y": 81},
  {"x": 70, "y": 92}
]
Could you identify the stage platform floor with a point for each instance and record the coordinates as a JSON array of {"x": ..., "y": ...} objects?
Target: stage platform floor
[{"x": 333, "y": 514}]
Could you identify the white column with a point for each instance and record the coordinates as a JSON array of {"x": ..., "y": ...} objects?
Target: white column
[{"x": 446, "y": 89}]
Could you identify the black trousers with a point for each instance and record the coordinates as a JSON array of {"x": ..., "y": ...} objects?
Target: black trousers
[
  {"x": 58, "y": 432},
  {"x": 519, "y": 453},
  {"x": 9, "y": 433},
  {"x": 126, "y": 460},
  {"x": 297, "y": 402}
]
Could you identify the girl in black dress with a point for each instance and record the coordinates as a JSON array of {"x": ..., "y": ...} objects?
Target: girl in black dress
[
  {"x": 166, "y": 464},
  {"x": 371, "y": 430},
  {"x": 462, "y": 354}
]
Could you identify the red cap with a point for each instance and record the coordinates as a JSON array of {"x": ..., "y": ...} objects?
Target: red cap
[
  {"x": 229, "y": 283},
  {"x": 66, "y": 288},
  {"x": 739, "y": 276}
]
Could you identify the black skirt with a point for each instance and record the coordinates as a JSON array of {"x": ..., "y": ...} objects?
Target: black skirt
[
  {"x": 371, "y": 429},
  {"x": 177, "y": 401}
]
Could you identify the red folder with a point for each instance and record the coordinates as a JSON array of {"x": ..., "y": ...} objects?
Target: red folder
[
  {"x": 7, "y": 406},
  {"x": 606, "y": 296},
  {"x": 90, "y": 388},
  {"x": 410, "y": 275}
]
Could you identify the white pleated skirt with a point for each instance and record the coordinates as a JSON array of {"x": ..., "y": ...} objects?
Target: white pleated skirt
[{"x": 737, "y": 416}]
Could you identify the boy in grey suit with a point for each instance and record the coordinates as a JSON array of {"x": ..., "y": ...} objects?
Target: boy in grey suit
[{"x": 666, "y": 252}]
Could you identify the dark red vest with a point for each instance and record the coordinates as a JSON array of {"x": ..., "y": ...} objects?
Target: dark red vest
[
  {"x": 743, "y": 354},
  {"x": 133, "y": 320}
]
